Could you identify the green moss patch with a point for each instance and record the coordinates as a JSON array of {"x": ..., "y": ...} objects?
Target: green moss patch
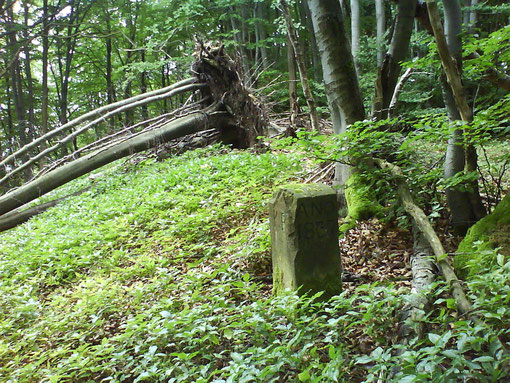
[
  {"x": 491, "y": 232},
  {"x": 362, "y": 202}
]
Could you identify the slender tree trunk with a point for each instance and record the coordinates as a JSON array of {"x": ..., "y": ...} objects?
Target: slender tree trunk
[
  {"x": 293, "y": 104},
  {"x": 300, "y": 60},
  {"x": 381, "y": 29},
  {"x": 316, "y": 60},
  {"x": 236, "y": 27},
  {"x": 458, "y": 200},
  {"x": 449, "y": 47},
  {"x": 109, "y": 69},
  {"x": 399, "y": 48},
  {"x": 261, "y": 14},
  {"x": 473, "y": 17},
  {"x": 28, "y": 73},
  {"x": 465, "y": 15},
  {"x": 44, "y": 98},
  {"x": 143, "y": 88},
  {"x": 129, "y": 116},
  {"x": 50, "y": 181},
  {"x": 339, "y": 72},
  {"x": 17, "y": 89},
  {"x": 355, "y": 28}
]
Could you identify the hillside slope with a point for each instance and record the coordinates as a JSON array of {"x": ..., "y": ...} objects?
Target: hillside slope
[{"x": 161, "y": 271}]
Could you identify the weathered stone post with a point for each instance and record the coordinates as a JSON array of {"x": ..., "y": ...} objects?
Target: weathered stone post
[{"x": 304, "y": 236}]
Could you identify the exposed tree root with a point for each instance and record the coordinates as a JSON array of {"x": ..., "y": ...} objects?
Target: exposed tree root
[
  {"x": 226, "y": 106},
  {"x": 222, "y": 75}
]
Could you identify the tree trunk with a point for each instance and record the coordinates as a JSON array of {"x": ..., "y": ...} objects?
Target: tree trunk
[
  {"x": 355, "y": 28},
  {"x": 68, "y": 172},
  {"x": 109, "y": 69},
  {"x": 238, "y": 37},
  {"x": 473, "y": 17},
  {"x": 293, "y": 104},
  {"x": 399, "y": 48},
  {"x": 300, "y": 60},
  {"x": 339, "y": 72},
  {"x": 45, "y": 90},
  {"x": 93, "y": 114},
  {"x": 143, "y": 88},
  {"x": 381, "y": 29},
  {"x": 72, "y": 137},
  {"x": 17, "y": 90},
  {"x": 261, "y": 14},
  {"x": 28, "y": 73},
  {"x": 316, "y": 61},
  {"x": 466, "y": 207},
  {"x": 423, "y": 224},
  {"x": 16, "y": 217}
]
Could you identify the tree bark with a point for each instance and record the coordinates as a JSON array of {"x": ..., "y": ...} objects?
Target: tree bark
[
  {"x": 423, "y": 270},
  {"x": 16, "y": 217},
  {"x": 452, "y": 67},
  {"x": 260, "y": 13},
  {"x": 45, "y": 90},
  {"x": 339, "y": 72},
  {"x": 238, "y": 37},
  {"x": 355, "y": 28},
  {"x": 143, "y": 88},
  {"x": 92, "y": 114},
  {"x": 72, "y": 136},
  {"x": 109, "y": 68},
  {"x": 423, "y": 224},
  {"x": 17, "y": 88},
  {"x": 316, "y": 61},
  {"x": 300, "y": 60},
  {"x": 399, "y": 48},
  {"x": 398, "y": 89},
  {"x": 28, "y": 73},
  {"x": 473, "y": 17},
  {"x": 291, "y": 63},
  {"x": 381, "y": 29},
  {"x": 68, "y": 172}
]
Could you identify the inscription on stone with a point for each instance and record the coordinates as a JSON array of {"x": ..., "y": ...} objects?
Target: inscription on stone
[{"x": 304, "y": 235}]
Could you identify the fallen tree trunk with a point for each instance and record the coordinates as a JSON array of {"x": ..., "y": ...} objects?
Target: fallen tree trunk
[
  {"x": 93, "y": 123},
  {"x": 423, "y": 224},
  {"x": 422, "y": 267},
  {"x": 92, "y": 114},
  {"x": 226, "y": 104},
  {"x": 17, "y": 217},
  {"x": 192, "y": 123}
]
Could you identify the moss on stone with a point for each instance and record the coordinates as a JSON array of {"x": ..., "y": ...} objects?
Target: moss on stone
[
  {"x": 491, "y": 232},
  {"x": 362, "y": 202}
]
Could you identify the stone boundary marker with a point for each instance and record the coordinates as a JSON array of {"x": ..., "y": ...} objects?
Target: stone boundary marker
[{"x": 304, "y": 239}]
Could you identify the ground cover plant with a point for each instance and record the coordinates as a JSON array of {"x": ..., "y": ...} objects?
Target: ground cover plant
[{"x": 160, "y": 273}]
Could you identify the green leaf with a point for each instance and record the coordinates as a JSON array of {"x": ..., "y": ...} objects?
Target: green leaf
[
  {"x": 304, "y": 376},
  {"x": 484, "y": 358},
  {"x": 434, "y": 338}
]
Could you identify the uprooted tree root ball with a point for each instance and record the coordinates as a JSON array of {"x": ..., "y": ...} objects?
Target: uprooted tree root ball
[{"x": 223, "y": 76}]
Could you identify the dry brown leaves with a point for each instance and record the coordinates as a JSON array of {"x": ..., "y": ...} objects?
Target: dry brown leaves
[{"x": 374, "y": 251}]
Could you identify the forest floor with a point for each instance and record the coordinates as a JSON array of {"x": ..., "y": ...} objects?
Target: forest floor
[{"x": 161, "y": 271}]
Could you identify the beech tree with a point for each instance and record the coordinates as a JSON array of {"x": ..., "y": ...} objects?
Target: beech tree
[{"x": 339, "y": 71}]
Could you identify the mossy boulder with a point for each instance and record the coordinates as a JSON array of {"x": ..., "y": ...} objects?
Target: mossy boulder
[
  {"x": 476, "y": 249},
  {"x": 362, "y": 202}
]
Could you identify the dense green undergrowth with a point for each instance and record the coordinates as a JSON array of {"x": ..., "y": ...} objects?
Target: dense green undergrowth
[{"x": 154, "y": 274}]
